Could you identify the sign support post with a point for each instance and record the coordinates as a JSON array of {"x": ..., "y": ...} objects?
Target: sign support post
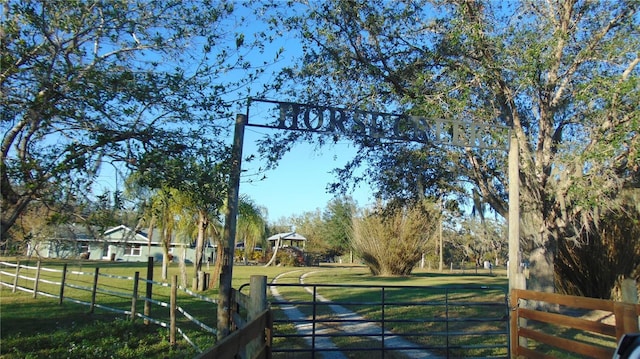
[
  {"x": 378, "y": 126},
  {"x": 231, "y": 217},
  {"x": 516, "y": 277}
]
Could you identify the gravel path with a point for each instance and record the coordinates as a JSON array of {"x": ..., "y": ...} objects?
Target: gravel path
[{"x": 391, "y": 342}]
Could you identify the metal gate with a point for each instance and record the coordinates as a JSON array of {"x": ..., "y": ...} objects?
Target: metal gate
[{"x": 309, "y": 321}]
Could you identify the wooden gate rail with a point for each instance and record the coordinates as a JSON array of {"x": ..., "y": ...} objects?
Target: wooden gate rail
[
  {"x": 234, "y": 343},
  {"x": 626, "y": 321},
  {"x": 251, "y": 325}
]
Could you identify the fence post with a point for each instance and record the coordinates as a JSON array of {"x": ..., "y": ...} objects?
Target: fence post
[
  {"x": 147, "y": 302},
  {"x": 201, "y": 285},
  {"x": 625, "y": 311},
  {"x": 234, "y": 308},
  {"x": 629, "y": 291},
  {"x": 15, "y": 280},
  {"x": 257, "y": 304},
  {"x": 626, "y": 319},
  {"x": 513, "y": 323},
  {"x": 172, "y": 310},
  {"x": 94, "y": 290},
  {"x": 134, "y": 296},
  {"x": 35, "y": 282},
  {"x": 62, "y": 281}
]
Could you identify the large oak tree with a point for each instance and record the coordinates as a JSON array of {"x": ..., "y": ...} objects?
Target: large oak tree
[
  {"x": 88, "y": 82},
  {"x": 562, "y": 74}
]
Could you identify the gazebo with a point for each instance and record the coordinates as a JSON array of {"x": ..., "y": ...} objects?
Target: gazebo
[{"x": 287, "y": 239}]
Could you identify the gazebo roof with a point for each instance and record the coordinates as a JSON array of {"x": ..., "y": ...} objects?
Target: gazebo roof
[{"x": 291, "y": 236}]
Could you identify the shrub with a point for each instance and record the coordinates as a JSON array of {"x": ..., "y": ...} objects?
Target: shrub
[{"x": 391, "y": 241}]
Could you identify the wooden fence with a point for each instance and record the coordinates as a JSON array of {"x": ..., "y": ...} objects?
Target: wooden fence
[
  {"x": 250, "y": 314},
  {"x": 253, "y": 323},
  {"x": 572, "y": 333},
  {"x": 31, "y": 279}
]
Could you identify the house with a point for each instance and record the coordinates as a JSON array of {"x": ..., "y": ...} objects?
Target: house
[
  {"x": 63, "y": 241},
  {"x": 119, "y": 243}
]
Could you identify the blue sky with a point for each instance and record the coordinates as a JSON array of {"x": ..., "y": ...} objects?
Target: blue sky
[
  {"x": 299, "y": 182},
  {"x": 296, "y": 186}
]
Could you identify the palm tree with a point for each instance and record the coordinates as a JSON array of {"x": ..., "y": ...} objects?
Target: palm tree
[
  {"x": 195, "y": 179},
  {"x": 251, "y": 225},
  {"x": 158, "y": 212},
  {"x": 162, "y": 211},
  {"x": 193, "y": 221},
  {"x": 186, "y": 229}
]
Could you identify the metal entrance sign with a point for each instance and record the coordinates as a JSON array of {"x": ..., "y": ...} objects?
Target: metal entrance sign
[{"x": 379, "y": 125}]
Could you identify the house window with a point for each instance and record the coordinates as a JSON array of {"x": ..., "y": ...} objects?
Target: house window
[
  {"x": 83, "y": 247},
  {"x": 132, "y": 250}
]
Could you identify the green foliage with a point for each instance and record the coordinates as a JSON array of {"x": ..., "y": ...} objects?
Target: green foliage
[
  {"x": 604, "y": 256},
  {"x": 96, "y": 339},
  {"x": 197, "y": 177},
  {"x": 289, "y": 257},
  {"x": 563, "y": 77},
  {"x": 251, "y": 227},
  {"x": 336, "y": 225},
  {"x": 327, "y": 231},
  {"x": 481, "y": 241},
  {"x": 311, "y": 226},
  {"x": 132, "y": 83},
  {"x": 104, "y": 214}
]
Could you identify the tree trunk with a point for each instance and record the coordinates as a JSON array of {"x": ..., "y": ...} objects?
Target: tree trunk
[
  {"x": 202, "y": 228},
  {"x": 213, "y": 281},
  {"x": 165, "y": 264},
  {"x": 275, "y": 252},
  {"x": 166, "y": 243},
  {"x": 248, "y": 249},
  {"x": 183, "y": 267},
  {"x": 152, "y": 222},
  {"x": 541, "y": 273}
]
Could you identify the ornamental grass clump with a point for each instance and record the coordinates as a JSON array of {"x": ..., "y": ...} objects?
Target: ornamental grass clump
[{"x": 392, "y": 240}]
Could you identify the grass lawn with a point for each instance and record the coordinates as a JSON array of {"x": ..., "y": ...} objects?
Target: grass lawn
[
  {"x": 41, "y": 328},
  {"x": 414, "y": 306}
]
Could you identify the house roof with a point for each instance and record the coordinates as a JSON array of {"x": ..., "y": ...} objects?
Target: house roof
[
  {"x": 128, "y": 235},
  {"x": 69, "y": 231},
  {"x": 141, "y": 237},
  {"x": 117, "y": 234}
]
